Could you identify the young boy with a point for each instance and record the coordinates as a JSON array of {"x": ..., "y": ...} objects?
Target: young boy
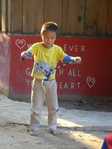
[{"x": 46, "y": 56}]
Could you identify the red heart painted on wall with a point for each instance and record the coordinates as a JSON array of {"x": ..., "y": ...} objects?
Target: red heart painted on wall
[
  {"x": 20, "y": 43},
  {"x": 90, "y": 81}
]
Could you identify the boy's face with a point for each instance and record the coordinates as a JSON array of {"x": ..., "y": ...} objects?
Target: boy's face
[{"x": 48, "y": 38}]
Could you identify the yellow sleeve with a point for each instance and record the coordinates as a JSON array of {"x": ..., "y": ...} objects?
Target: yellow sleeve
[
  {"x": 33, "y": 48},
  {"x": 61, "y": 54}
]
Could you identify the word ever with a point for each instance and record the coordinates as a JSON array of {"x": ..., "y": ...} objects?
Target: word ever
[{"x": 75, "y": 48}]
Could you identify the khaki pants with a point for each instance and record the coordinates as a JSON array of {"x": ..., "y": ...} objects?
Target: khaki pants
[{"x": 44, "y": 92}]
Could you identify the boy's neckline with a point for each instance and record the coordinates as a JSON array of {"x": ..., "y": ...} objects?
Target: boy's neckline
[{"x": 46, "y": 46}]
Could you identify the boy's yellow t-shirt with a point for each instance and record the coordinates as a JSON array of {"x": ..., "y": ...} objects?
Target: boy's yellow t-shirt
[{"x": 45, "y": 60}]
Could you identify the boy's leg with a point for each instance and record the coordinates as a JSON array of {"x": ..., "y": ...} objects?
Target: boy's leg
[
  {"x": 37, "y": 101},
  {"x": 104, "y": 145},
  {"x": 52, "y": 103}
]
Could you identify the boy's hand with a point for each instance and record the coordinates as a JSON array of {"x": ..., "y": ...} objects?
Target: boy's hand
[
  {"x": 22, "y": 57},
  {"x": 77, "y": 59}
]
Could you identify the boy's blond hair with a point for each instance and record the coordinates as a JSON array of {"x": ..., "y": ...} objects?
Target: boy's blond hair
[{"x": 49, "y": 26}]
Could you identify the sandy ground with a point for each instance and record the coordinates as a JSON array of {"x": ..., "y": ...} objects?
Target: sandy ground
[
  {"x": 78, "y": 129},
  {"x": 17, "y": 137}
]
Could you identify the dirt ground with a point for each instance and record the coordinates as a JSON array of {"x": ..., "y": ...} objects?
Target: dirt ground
[
  {"x": 17, "y": 136},
  {"x": 14, "y": 136},
  {"x": 89, "y": 103}
]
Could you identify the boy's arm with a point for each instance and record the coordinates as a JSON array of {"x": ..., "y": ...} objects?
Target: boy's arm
[
  {"x": 26, "y": 55},
  {"x": 70, "y": 59}
]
